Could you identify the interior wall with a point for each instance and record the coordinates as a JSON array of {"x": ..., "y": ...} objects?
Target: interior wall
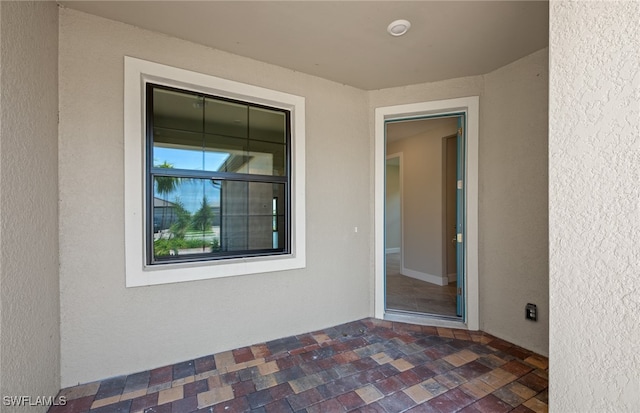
[
  {"x": 29, "y": 287},
  {"x": 108, "y": 329},
  {"x": 393, "y": 205},
  {"x": 514, "y": 247},
  {"x": 594, "y": 212},
  {"x": 513, "y": 124},
  {"x": 422, "y": 201}
]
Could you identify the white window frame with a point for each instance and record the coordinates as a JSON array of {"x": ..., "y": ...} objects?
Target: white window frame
[{"x": 137, "y": 73}]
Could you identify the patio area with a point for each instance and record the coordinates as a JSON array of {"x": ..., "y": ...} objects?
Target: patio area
[{"x": 364, "y": 366}]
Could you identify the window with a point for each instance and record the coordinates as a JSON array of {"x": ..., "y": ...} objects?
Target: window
[
  {"x": 214, "y": 174},
  {"x": 215, "y": 169}
]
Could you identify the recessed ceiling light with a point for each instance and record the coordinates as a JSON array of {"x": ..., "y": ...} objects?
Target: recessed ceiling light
[{"x": 398, "y": 27}]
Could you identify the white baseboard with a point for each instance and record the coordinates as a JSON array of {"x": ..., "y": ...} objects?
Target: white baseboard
[
  {"x": 422, "y": 276},
  {"x": 392, "y": 250}
]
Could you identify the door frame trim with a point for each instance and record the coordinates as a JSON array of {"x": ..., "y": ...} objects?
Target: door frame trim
[
  {"x": 470, "y": 106},
  {"x": 446, "y": 239}
]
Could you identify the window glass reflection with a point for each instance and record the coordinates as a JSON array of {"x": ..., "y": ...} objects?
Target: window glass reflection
[
  {"x": 197, "y": 133},
  {"x": 267, "y": 125},
  {"x": 186, "y": 216},
  {"x": 204, "y": 216},
  {"x": 176, "y": 110},
  {"x": 181, "y": 150},
  {"x": 267, "y": 158},
  {"x": 225, "y": 154},
  {"x": 226, "y": 118}
]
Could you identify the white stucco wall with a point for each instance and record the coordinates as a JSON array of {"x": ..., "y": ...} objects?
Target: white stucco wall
[
  {"x": 446, "y": 89},
  {"x": 512, "y": 98},
  {"x": 594, "y": 231},
  {"x": 29, "y": 288},
  {"x": 108, "y": 329},
  {"x": 514, "y": 253}
]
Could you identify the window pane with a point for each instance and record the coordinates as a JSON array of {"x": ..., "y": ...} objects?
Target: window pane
[
  {"x": 278, "y": 234},
  {"x": 179, "y": 149},
  {"x": 267, "y": 125},
  {"x": 239, "y": 138},
  {"x": 176, "y": 110},
  {"x": 267, "y": 158},
  {"x": 226, "y": 118},
  {"x": 279, "y": 220},
  {"x": 247, "y": 216},
  {"x": 201, "y": 218},
  {"x": 224, "y": 154},
  {"x": 186, "y": 216},
  {"x": 204, "y": 216}
]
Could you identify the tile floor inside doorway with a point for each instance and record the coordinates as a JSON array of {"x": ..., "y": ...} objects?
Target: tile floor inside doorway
[
  {"x": 410, "y": 294},
  {"x": 364, "y": 366}
]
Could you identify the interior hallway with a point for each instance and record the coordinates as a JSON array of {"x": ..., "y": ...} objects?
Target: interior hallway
[
  {"x": 364, "y": 366},
  {"x": 410, "y": 294}
]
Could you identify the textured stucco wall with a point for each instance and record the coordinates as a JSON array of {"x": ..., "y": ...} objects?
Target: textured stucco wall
[
  {"x": 513, "y": 245},
  {"x": 594, "y": 199},
  {"x": 29, "y": 293},
  {"x": 108, "y": 329}
]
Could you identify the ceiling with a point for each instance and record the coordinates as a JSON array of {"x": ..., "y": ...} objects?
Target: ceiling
[{"x": 347, "y": 41}]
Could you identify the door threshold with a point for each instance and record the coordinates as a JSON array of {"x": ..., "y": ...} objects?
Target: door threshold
[{"x": 432, "y": 320}]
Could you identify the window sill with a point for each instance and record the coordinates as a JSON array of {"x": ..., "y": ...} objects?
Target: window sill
[{"x": 192, "y": 271}]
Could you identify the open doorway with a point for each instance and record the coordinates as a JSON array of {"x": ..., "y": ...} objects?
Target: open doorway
[
  {"x": 421, "y": 275},
  {"x": 465, "y": 111}
]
